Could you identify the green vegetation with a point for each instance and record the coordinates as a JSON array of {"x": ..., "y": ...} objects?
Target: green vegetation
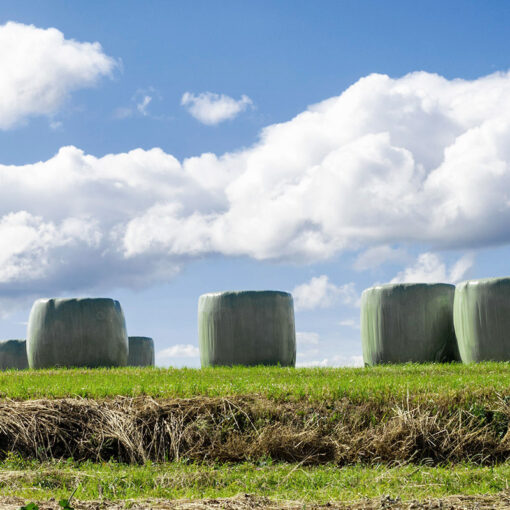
[
  {"x": 406, "y": 416},
  {"x": 446, "y": 382},
  {"x": 37, "y": 481}
]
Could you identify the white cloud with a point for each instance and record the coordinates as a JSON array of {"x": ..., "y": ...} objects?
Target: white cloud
[
  {"x": 210, "y": 108},
  {"x": 378, "y": 255},
  {"x": 56, "y": 124},
  {"x": 419, "y": 159},
  {"x": 27, "y": 242},
  {"x": 139, "y": 104},
  {"x": 333, "y": 361},
  {"x": 461, "y": 267},
  {"x": 181, "y": 355},
  {"x": 307, "y": 344},
  {"x": 389, "y": 161},
  {"x": 53, "y": 244},
  {"x": 179, "y": 351},
  {"x": 306, "y": 354},
  {"x": 40, "y": 68},
  {"x": 143, "y": 104},
  {"x": 429, "y": 268},
  {"x": 319, "y": 292},
  {"x": 350, "y": 323},
  {"x": 307, "y": 338}
]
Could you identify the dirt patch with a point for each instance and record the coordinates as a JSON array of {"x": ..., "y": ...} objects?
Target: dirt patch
[
  {"x": 135, "y": 430},
  {"x": 249, "y": 502}
]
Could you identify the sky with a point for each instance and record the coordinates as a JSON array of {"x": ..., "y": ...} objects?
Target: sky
[{"x": 155, "y": 151}]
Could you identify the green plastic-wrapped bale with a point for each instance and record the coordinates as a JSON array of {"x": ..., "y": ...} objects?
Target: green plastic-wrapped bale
[
  {"x": 408, "y": 322},
  {"x": 141, "y": 351},
  {"x": 88, "y": 332},
  {"x": 482, "y": 319},
  {"x": 13, "y": 354},
  {"x": 247, "y": 328}
]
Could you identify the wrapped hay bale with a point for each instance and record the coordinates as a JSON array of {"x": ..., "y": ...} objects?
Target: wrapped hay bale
[
  {"x": 408, "y": 322},
  {"x": 247, "y": 328},
  {"x": 141, "y": 351},
  {"x": 13, "y": 354},
  {"x": 482, "y": 319},
  {"x": 88, "y": 332}
]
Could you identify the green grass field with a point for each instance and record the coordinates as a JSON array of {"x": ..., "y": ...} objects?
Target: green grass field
[
  {"x": 379, "y": 384},
  {"x": 456, "y": 385},
  {"x": 38, "y": 481}
]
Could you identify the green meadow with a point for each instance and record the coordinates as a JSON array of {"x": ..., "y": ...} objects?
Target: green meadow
[
  {"x": 470, "y": 388},
  {"x": 321, "y": 484},
  {"x": 375, "y": 384}
]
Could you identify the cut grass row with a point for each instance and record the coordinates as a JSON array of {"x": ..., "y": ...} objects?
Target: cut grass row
[
  {"x": 320, "y": 484},
  {"x": 240, "y": 429},
  {"x": 380, "y": 384}
]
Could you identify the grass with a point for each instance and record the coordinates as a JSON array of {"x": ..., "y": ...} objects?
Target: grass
[
  {"x": 38, "y": 481},
  {"x": 438, "y": 391},
  {"x": 383, "y": 383}
]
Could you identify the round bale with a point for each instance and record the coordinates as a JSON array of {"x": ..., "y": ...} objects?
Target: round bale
[
  {"x": 141, "y": 351},
  {"x": 482, "y": 319},
  {"x": 247, "y": 328},
  {"x": 86, "y": 332},
  {"x": 13, "y": 354},
  {"x": 408, "y": 322}
]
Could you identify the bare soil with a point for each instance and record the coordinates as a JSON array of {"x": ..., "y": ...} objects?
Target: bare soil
[{"x": 249, "y": 502}]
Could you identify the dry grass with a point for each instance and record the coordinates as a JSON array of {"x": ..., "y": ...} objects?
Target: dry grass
[{"x": 136, "y": 430}]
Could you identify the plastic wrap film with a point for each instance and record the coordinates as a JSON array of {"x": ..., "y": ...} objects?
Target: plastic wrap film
[
  {"x": 88, "y": 332},
  {"x": 482, "y": 319},
  {"x": 408, "y": 322},
  {"x": 247, "y": 328}
]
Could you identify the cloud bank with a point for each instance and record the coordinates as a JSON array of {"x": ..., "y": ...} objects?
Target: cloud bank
[
  {"x": 211, "y": 109},
  {"x": 333, "y": 361},
  {"x": 429, "y": 268},
  {"x": 40, "y": 68},
  {"x": 388, "y": 162}
]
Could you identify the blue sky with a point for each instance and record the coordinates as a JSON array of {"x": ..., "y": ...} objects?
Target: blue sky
[{"x": 391, "y": 175}]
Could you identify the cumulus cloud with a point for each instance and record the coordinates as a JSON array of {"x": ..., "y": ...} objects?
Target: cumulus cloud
[
  {"x": 307, "y": 344},
  {"x": 319, "y": 292},
  {"x": 179, "y": 351},
  {"x": 389, "y": 162},
  {"x": 210, "y": 108},
  {"x": 53, "y": 243},
  {"x": 307, "y": 338},
  {"x": 333, "y": 361},
  {"x": 415, "y": 159},
  {"x": 143, "y": 104},
  {"x": 27, "y": 240},
  {"x": 378, "y": 255},
  {"x": 40, "y": 68},
  {"x": 429, "y": 268},
  {"x": 139, "y": 104},
  {"x": 350, "y": 323},
  {"x": 178, "y": 356},
  {"x": 56, "y": 124}
]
